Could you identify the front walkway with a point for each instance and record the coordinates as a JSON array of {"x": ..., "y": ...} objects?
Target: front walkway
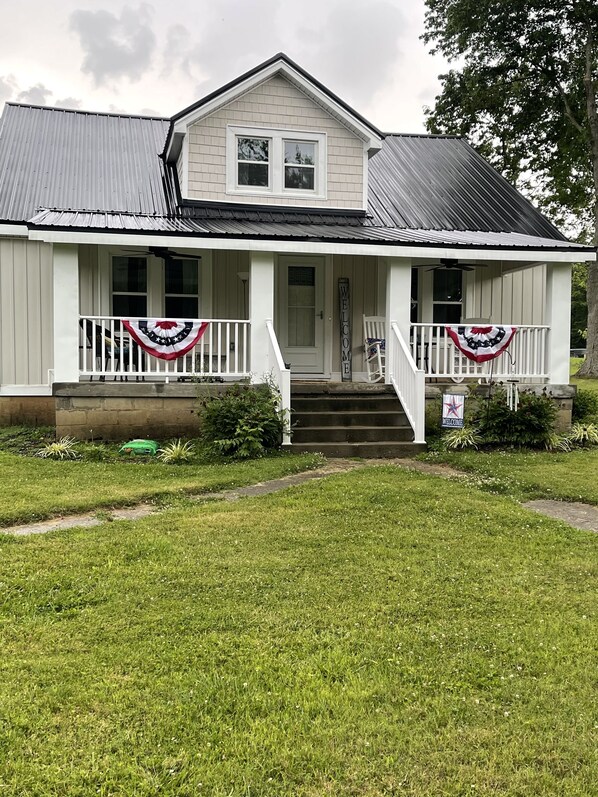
[{"x": 578, "y": 515}]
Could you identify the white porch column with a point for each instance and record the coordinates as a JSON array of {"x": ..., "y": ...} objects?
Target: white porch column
[
  {"x": 557, "y": 315},
  {"x": 66, "y": 312},
  {"x": 398, "y": 301},
  {"x": 261, "y": 309}
]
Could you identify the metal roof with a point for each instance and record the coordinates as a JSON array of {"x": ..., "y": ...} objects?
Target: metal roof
[
  {"x": 440, "y": 182},
  {"x": 284, "y": 230},
  {"x": 51, "y": 157},
  {"x": 80, "y": 170}
]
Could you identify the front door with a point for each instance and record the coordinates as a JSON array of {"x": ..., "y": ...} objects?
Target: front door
[{"x": 301, "y": 318}]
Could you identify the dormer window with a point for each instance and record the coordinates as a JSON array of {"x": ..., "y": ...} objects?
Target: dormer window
[
  {"x": 300, "y": 165},
  {"x": 253, "y": 162},
  {"x": 276, "y": 163}
]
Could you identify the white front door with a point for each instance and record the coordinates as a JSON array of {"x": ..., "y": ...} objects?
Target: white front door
[{"x": 301, "y": 313}]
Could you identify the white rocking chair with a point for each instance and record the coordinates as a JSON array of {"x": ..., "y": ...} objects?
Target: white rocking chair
[{"x": 374, "y": 339}]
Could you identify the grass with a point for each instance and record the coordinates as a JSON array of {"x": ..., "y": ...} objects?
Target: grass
[
  {"x": 376, "y": 633},
  {"x": 586, "y": 384},
  {"x": 530, "y": 474},
  {"x": 33, "y": 489}
]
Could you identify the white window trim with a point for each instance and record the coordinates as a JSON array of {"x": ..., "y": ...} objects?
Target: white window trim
[{"x": 277, "y": 136}]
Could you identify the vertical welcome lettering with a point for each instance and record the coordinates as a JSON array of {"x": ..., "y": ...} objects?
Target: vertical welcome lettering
[{"x": 344, "y": 306}]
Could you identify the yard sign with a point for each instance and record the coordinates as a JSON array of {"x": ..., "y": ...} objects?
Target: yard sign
[{"x": 452, "y": 411}]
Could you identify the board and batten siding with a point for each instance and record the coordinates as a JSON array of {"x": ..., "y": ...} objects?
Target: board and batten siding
[
  {"x": 26, "y": 317},
  {"x": 362, "y": 273},
  {"x": 276, "y": 103},
  {"x": 515, "y": 297}
]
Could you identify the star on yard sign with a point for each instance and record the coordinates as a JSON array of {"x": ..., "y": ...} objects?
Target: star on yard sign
[{"x": 452, "y": 407}]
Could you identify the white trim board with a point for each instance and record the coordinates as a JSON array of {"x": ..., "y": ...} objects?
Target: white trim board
[
  {"x": 310, "y": 247},
  {"x": 25, "y": 390}
]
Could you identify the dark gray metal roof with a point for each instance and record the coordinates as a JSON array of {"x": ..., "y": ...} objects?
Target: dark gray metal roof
[
  {"x": 423, "y": 190},
  {"x": 339, "y": 233},
  {"x": 441, "y": 183},
  {"x": 51, "y": 157}
]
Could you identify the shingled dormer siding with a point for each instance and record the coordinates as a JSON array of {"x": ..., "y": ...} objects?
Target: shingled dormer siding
[{"x": 273, "y": 105}]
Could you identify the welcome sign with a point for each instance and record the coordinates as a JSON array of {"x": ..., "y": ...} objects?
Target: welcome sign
[
  {"x": 453, "y": 407},
  {"x": 344, "y": 308}
]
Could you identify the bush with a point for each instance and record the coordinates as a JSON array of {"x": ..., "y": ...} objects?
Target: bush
[
  {"x": 531, "y": 425},
  {"x": 585, "y": 406},
  {"x": 244, "y": 422},
  {"x": 584, "y": 434}
]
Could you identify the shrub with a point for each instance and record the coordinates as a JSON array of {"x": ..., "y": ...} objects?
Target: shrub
[
  {"x": 466, "y": 437},
  {"x": 243, "y": 422},
  {"x": 176, "y": 453},
  {"x": 584, "y": 434},
  {"x": 531, "y": 425},
  {"x": 585, "y": 406},
  {"x": 59, "y": 449}
]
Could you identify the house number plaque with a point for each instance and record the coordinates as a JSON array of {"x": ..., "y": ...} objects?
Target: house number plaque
[{"x": 344, "y": 307}]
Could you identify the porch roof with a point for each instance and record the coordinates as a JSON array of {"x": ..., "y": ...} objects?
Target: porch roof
[{"x": 319, "y": 229}]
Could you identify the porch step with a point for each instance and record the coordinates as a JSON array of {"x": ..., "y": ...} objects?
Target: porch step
[
  {"x": 350, "y": 420},
  {"x": 381, "y": 450}
]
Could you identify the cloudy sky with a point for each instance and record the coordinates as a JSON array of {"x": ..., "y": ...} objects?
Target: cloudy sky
[{"x": 158, "y": 57}]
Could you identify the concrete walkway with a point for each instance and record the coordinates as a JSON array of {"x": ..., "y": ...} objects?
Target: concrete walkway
[{"x": 580, "y": 516}]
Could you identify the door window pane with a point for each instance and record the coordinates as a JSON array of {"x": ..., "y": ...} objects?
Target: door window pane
[{"x": 301, "y": 303}]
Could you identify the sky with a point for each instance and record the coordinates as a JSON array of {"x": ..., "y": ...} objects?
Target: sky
[{"x": 158, "y": 57}]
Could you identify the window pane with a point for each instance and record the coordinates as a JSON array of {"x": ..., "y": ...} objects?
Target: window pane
[
  {"x": 253, "y": 174},
  {"x": 447, "y": 285},
  {"x": 447, "y": 314},
  {"x": 181, "y": 276},
  {"x": 129, "y": 306},
  {"x": 129, "y": 274},
  {"x": 299, "y": 177},
  {"x": 414, "y": 283},
  {"x": 253, "y": 149},
  {"x": 184, "y": 307},
  {"x": 299, "y": 152}
]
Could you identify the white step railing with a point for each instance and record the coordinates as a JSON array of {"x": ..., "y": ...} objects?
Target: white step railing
[
  {"x": 408, "y": 381},
  {"x": 436, "y": 354},
  {"x": 107, "y": 349},
  {"x": 282, "y": 379}
]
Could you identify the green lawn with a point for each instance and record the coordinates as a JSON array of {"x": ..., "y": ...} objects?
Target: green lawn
[
  {"x": 586, "y": 384},
  {"x": 376, "y": 633},
  {"x": 32, "y": 488},
  {"x": 530, "y": 474}
]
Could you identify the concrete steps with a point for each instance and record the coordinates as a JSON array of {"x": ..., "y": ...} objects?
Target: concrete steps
[{"x": 350, "y": 420}]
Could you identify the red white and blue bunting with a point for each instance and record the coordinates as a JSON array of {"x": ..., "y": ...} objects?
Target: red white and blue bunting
[
  {"x": 167, "y": 340},
  {"x": 481, "y": 343}
]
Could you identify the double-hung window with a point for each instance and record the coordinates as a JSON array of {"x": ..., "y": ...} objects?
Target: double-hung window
[{"x": 281, "y": 163}]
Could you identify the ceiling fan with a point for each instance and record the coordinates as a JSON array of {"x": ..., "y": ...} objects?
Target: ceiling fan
[
  {"x": 450, "y": 263},
  {"x": 163, "y": 252}
]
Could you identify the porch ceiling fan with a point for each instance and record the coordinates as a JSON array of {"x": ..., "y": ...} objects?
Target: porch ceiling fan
[
  {"x": 163, "y": 252},
  {"x": 452, "y": 264}
]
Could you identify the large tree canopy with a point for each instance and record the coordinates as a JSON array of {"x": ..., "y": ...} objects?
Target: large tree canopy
[{"x": 524, "y": 93}]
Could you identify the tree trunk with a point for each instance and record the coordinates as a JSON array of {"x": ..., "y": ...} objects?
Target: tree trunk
[{"x": 590, "y": 365}]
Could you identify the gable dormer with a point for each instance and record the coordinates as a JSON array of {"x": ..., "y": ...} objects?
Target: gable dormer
[{"x": 274, "y": 136}]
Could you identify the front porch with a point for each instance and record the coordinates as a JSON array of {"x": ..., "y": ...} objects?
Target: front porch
[{"x": 289, "y": 325}]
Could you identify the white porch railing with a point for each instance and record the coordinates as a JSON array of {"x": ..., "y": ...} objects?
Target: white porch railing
[
  {"x": 282, "y": 378},
  {"x": 107, "y": 350},
  {"x": 408, "y": 381},
  {"x": 437, "y": 355}
]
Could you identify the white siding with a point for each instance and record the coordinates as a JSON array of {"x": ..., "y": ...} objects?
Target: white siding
[
  {"x": 26, "y": 322},
  {"x": 362, "y": 272},
  {"x": 227, "y": 289},
  {"x": 275, "y": 103},
  {"x": 515, "y": 297}
]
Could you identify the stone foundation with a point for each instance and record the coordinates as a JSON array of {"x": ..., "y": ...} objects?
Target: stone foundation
[
  {"x": 27, "y": 411},
  {"x": 124, "y": 410}
]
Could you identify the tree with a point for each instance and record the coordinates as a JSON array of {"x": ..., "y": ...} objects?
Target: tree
[{"x": 524, "y": 93}]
